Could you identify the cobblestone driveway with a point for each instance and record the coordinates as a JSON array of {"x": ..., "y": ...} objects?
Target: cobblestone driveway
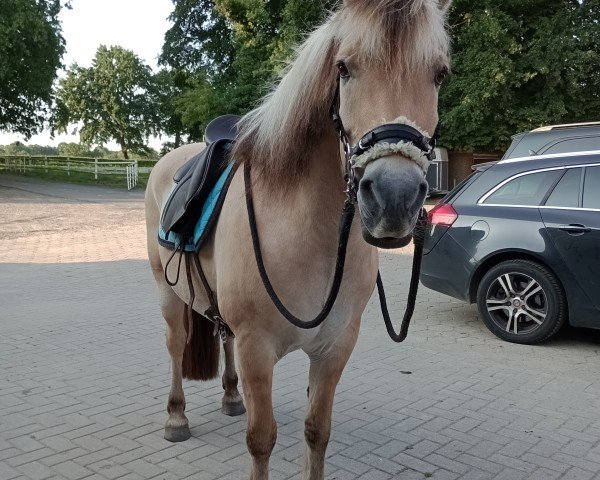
[{"x": 84, "y": 371}]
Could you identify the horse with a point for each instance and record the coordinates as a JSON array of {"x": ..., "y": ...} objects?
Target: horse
[{"x": 376, "y": 62}]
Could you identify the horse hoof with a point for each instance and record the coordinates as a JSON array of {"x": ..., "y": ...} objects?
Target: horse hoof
[
  {"x": 177, "y": 434},
  {"x": 233, "y": 409}
]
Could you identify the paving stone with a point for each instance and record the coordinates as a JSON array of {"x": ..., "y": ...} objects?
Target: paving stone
[
  {"x": 35, "y": 470},
  {"x": 108, "y": 469},
  {"x": 86, "y": 374},
  {"x": 71, "y": 470},
  {"x": 7, "y": 472}
]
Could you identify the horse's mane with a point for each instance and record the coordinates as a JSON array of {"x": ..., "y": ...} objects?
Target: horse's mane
[{"x": 278, "y": 137}]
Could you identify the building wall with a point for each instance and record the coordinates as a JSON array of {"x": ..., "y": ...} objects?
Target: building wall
[{"x": 460, "y": 164}]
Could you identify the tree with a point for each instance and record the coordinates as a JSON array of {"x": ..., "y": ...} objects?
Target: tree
[
  {"x": 167, "y": 88},
  {"x": 19, "y": 148},
  {"x": 199, "y": 39},
  {"x": 517, "y": 65},
  {"x": 198, "y": 46},
  {"x": 110, "y": 99},
  {"x": 230, "y": 50},
  {"x": 31, "y": 48},
  {"x": 588, "y": 22},
  {"x": 70, "y": 149}
]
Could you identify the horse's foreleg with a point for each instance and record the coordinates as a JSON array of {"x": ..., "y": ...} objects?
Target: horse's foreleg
[
  {"x": 173, "y": 310},
  {"x": 232, "y": 400},
  {"x": 256, "y": 365},
  {"x": 325, "y": 373}
]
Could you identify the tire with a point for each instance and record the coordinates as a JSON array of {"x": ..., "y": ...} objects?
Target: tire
[{"x": 522, "y": 295}]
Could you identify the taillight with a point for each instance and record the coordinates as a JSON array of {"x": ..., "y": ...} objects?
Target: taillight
[{"x": 443, "y": 214}]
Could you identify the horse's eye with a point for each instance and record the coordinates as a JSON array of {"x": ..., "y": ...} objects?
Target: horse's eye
[
  {"x": 441, "y": 76},
  {"x": 343, "y": 69}
]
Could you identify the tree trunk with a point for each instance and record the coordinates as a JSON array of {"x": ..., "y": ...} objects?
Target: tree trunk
[
  {"x": 177, "y": 140},
  {"x": 124, "y": 151}
]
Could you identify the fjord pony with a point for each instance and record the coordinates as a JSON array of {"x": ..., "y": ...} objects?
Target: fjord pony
[{"x": 390, "y": 57}]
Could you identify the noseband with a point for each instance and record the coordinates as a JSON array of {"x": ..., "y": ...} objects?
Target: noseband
[{"x": 401, "y": 137}]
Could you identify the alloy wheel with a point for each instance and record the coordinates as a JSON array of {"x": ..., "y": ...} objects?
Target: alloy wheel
[{"x": 517, "y": 303}]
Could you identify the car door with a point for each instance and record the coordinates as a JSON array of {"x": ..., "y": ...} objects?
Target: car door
[{"x": 571, "y": 215}]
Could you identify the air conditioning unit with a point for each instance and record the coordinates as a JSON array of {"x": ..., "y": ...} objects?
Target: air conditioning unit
[{"x": 437, "y": 175}]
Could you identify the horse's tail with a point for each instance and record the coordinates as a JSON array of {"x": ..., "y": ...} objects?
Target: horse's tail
[{"x": 201, "y": 355}]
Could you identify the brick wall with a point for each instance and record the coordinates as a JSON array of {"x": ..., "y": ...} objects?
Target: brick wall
[{"x": 460, "y": 163}]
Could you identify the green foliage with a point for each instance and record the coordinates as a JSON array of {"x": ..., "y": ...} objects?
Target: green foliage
[
  {"x": 68, "y": 149},
  {"x": 31, "y": 48},
  {"x": 199, "y": 38},
  {"x": 230, "y": 50},
  {"x": 18, "y": 148},
  {"x": 166, "y": 90},
  {"x": 71, "y": 149},
  {"x": 110, "y": 99},
  {"x": 517, "y": 65}
]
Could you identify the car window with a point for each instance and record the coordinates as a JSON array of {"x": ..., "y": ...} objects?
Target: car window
[
  {"x": 456, "y": 190},
  {"x": 581, "y": 144},
  {"x": 513, "y": 146},
  {"x": 527, "y": 190},
  {"x": 591, "y": 188},
  {"x": 566, "y": 192}
]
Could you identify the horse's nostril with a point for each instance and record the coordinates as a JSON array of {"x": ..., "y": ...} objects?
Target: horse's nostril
[
  {"x": 423, "y": 188},
  {"x": 366, "y": 185},
  {"x": 367, "y": 192}
]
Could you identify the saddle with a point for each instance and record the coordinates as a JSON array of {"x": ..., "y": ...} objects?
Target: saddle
[{"x": 199, "y": 189}]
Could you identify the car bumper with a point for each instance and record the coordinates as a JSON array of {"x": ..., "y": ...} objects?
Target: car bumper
[{"x": 447, "y": 269}]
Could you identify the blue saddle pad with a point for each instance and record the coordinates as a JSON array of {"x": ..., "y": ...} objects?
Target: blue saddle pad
[{"x": 210, "y": 210}]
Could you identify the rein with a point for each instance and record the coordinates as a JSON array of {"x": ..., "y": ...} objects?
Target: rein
[
  {"x": 390, "y": 134},
  {"x": 346, "y": 224},
  {"x": 418, "y": 239}
]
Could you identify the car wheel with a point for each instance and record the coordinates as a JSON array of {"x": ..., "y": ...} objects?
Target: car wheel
[{"x": 521, "y": 301}]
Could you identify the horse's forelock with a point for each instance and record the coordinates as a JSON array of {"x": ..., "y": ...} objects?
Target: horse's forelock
[{"x": 403, "y": 34}]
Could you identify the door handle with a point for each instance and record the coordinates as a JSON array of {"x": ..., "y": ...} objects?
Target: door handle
[{"x": 575, "y": 229}]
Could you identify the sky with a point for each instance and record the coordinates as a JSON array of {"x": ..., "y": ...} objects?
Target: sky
[{"x": 138, "y": 25}]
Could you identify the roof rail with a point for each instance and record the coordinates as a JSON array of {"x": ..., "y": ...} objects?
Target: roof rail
[
  {"x": 566, "y": 125},
  {"x": 550, "y": 155}
]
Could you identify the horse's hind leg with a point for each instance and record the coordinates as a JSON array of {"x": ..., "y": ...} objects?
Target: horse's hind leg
[
  {"x": 324, "y": 375},
  {"x": 232, "y": 400},
  {"x": 173, "y": 310}
]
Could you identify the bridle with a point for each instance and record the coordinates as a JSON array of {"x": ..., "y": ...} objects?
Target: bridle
[{"x": 388, "y": 134}]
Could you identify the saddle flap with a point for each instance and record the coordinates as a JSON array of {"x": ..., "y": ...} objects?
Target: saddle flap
[
  {"x": 195, "y": 182},
  {"x": 183, "y": 170}
]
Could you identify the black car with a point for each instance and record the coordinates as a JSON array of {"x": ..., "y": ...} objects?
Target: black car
[
  {"x": 521, "y": 238},
  {"x": 577, "y": 137}
]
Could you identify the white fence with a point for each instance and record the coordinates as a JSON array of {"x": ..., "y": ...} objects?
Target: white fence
[{"x": 127, "y": 170}]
